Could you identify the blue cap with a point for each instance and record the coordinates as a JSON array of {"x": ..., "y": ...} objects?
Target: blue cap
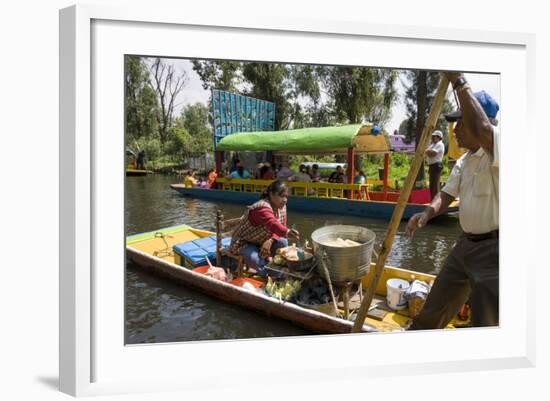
[{"x": 489, "y": 105}]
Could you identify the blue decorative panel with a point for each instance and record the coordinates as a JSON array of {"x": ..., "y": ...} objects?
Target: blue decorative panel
[{"x": 236, "y": 113}]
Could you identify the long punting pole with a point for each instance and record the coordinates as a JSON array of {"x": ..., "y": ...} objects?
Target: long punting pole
[{"x": 402, "y": 202}]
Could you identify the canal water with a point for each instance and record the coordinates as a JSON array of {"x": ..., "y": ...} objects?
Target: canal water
[{"x": 159, "y": 311}]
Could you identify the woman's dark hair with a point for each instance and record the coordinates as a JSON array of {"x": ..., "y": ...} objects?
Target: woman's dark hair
[
  {"x": 263, "y": 170},
  {"x": 277, "y": 187}
]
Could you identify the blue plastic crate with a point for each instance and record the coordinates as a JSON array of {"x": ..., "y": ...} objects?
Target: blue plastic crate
[
  {"x": 193, "y": 253},
  {"x": 185, "y": 246},
  {"x": 195, "y": 257},
  {"x": 205, "y": 241}
]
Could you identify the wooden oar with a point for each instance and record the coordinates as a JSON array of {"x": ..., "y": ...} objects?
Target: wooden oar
[{"x": 402, "y": 202}]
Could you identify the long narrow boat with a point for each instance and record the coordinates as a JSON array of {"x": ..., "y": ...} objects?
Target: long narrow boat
[
  {"x": 247, "y": 192},
  {"x": 153, "y": 251},
  {"x": 135, "y": 172},
  {"x": 342, "y": 198}
]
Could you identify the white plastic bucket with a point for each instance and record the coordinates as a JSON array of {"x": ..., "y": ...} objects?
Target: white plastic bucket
[{"x": 396, "y": 293}]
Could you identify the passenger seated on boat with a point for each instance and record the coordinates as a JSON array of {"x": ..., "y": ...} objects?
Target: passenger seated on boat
[
  {"x": 303, "y": 176},
  {"x": 258, "y": 171},
  {"x": 190, "y": 179},
  {"x": 266, "y": 173},
  {"x": 284, "y": 172},
  {"x": 262, "y": 229},
  {"x": 202, "y": 183},
  {"x": 240, "y": 173},
  {"x": 315, "y": 173},
  {"x": 337, "y": 176},
  {"x": 234, "y": 163},
  {"x": 212, "y": 175}
]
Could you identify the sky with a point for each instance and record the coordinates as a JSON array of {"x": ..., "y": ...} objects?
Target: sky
[{"x": 193, "y": 91}]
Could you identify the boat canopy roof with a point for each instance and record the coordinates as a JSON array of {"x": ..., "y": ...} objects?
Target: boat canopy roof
[{"x": 328, "y": 140}]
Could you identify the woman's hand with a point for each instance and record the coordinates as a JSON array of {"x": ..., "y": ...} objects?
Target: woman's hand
[
  {"x": 265, "y": 250},
  {"x": 293, "y": 234}
]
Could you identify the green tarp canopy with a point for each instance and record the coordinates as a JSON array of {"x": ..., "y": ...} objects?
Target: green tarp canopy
[{"x": 307, "y": 140}]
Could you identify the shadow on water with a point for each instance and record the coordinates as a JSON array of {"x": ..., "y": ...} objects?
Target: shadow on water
[{"x": 160, "y": 311}]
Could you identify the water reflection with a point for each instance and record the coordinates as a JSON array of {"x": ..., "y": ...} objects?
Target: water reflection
[{"x": 160, "y": 311}]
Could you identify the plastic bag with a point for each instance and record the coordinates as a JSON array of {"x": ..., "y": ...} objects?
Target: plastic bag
[
  {"x": 217, "y": 273},
  {"x": 416, "y": 296}
]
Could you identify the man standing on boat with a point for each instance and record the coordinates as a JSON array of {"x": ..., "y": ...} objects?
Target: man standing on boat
[
  {"x": 471, "y": 271},
  {"x": 434, "y": 157},
  {"x": 140, "y": 162}
]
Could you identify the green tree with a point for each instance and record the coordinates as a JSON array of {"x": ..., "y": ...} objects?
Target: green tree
[
  {"x": 223, "y": 75},
  {"x": 420, "y": 89},
  {"x": 167, "y": 85},
  {"x": 194, "y": 119},
  {"x": 179, "y": 143},
  {"x": 141, "y": 102},
  {"x": 358, "y": 93},
  {"x": 269, "y": 81}
]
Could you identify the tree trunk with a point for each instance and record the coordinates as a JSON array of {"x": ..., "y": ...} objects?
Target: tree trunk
[{"x": 422, "y": 106}]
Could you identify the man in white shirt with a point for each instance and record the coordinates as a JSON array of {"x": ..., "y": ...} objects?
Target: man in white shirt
[
  {"x": 434, "y": 158},
  {"x": 470, "y": 272}
]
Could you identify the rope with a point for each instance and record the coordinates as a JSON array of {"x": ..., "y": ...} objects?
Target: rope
[{"x": 167, "y": 251}]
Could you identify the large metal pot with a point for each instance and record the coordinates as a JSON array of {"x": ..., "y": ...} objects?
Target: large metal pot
[{"x": 343, "y": 263}]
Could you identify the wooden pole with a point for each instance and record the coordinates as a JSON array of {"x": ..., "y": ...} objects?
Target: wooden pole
[
  {"x": 402, "y": 202},
  {"x": 218, "y": 156},
  {"x": 385, "y": 177},
  {"x": 219, "y": 218},
  {"x": 351, "y": 168}
]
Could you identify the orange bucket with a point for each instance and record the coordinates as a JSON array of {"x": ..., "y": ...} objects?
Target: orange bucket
[
  {"x": 201, "y": 269},
  {"x": 241, "y": 280}
]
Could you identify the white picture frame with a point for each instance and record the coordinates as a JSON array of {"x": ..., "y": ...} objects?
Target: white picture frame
[{"x": 93, "y": 357}]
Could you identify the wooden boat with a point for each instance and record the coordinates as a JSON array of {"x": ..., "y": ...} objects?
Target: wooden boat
[
  {"x": 135, "y": 172},
  {"x": 342, "y": 198},
  {"x": 131, "y": 164},
  {"x": 333, "y": 200},
  {"x": 153, "y": 252}
]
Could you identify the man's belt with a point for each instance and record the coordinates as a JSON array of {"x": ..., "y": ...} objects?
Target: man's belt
[{"x": 481, "y": 237}]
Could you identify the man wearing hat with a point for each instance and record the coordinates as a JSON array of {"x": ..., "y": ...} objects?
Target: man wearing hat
[
  {"x": 471, "y": 270},
  {"x": 434, "y": 158}
]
